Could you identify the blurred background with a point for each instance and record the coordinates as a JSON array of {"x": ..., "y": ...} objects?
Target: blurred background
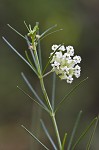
[{"x": 79, "y": 20}]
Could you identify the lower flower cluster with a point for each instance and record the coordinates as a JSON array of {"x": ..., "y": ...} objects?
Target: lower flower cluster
[{"x": 64, "y": 63}]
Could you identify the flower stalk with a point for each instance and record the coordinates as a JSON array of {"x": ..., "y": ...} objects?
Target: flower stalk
[
  {"x": 56, "y": 130},
  {"x": 52, "y": 114}
]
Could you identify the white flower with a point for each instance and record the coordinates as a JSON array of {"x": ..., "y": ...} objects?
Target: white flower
[
  {"x": 58, "y": 54},
  {"x": 66, "y": 55},
  {"x": 54, "y": 47},
  {"x": 77, "y": 59},
  {"x": 56, "y": 64},
  {"x": 77, "y": 70},
  {"x": 69, "y": 79},
  {"x": 70, "y": 50},
  {"x": 62, "y": 48},
  {"x": 64, "y": 64},
  {"x": 77, "y": 67}
]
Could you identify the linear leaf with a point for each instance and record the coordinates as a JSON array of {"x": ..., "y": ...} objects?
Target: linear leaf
[
  {"x": 48, "y": 30},
  {"x": 64, "y": 141},
  {"x": 39, "y": 48},
  {"x": 19, "y": 55},
  {"x": 84, "y": 133},
  {"x": 67, "y": 95},
  {"x": 74, "y": 130},
  {"x": 32, "y": 90},
  {"x": 53, "y": 89},
  {"x": 50, "y": 34},
  {"x": 35, "y": 137},
  {"x": 48, "y": 135},
  {"x": 27, "y": 26},
  {"x": 29, "y": 60},
  {"x": 16, "y": 31},
  {"x": 31, "y": 51},
  {"x": 92, "y": 135},
  {"x": 32, "y": 98}
]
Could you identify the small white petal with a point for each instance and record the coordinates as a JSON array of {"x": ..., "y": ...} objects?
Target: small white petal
[
  {"x": 77, "y": 59},
  {"x": 62, "y": 48},
  {"x": 69, "y": 79},
  {"x": 70, "y": 50},
  {"x": 58, "y": 54},
  {"x": 54, "y": 47}
]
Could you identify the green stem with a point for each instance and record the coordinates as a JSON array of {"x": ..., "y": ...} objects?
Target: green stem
[
  {"x": 45, "y": 94},
  {"x": 47, "y": 73},
  {"x": 36, "y": 57},
  {"x": 52, "y": 114},
  {"x": 56, "y": 130}
]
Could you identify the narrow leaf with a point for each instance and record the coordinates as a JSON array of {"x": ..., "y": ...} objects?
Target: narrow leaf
[
  {"x": 84, "y": 133},
  {"x": 50, "y": 59},
  {"x": 74, "y": 130},
  {"x": 64, "y": 141},
  {"x": 19, "y": 55},
  {"x": 67, "y": 95},
  {"x": 16, "y": 31},
  {"x": 31, "y": 98},
  {"x": 50, "y": 34},
  {"x": 39, "y": 48},
  {"x": 31, "y": 50},
  {"x": 26, "y": 26},
  {"x": 29, "y": 60},
  {"x": 92, "y": 135},
  {"x": 53, "y": 89},
  {"x": 32, "y": 90},
  {"x": 46, "y": 74},
  {"x": 48, "y": 135},
  {"x": 48, "y": 30},
  {"x": 34, "y": 137}
]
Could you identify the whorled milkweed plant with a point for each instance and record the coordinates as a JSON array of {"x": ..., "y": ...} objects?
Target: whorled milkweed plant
[{"x": 66, "y": 66}]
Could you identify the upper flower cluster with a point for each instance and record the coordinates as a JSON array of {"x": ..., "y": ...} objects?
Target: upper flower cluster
[{"x": 64, "y": 63}]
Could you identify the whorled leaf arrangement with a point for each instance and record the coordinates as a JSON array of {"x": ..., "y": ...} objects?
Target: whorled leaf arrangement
[{"x": 64, "y": 64}]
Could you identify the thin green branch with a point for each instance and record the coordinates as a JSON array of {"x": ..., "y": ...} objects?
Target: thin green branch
[
  {"x": 16, "y": 31},
  {"x": 46, "y": 31},
  {"x": 46, "y": 74},
  {"x": 84, "y": 133},
  {"x": 74, "y": 130},
  {"x": 53, "y": 89},
  {"x": 64, "y": 141},
  {"x": 19, "y": 55},
  {"x": 29, "y": 60},
  {"x": 34, "y": 137},
  {"x": 67, "y": 95},
  {"x": 45, "y": 94},
  {"x": 32, "y": 90},
  {"x": 92, "y": 135},
  {"x": 45, "y": 108},
  {"x": 50, "y": 34},
  {"x": 31, "y": 51},
  {"x": 48, "y": 135},
  {"x": 39, "y": 48},
  {"x": 26, "y": 26},
  {"x": 56, "y": 131},
  {"x": 36, "y": 58}
]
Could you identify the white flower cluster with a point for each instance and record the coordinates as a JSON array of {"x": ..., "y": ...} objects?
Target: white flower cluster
[{"x": 64, "y": 63}]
